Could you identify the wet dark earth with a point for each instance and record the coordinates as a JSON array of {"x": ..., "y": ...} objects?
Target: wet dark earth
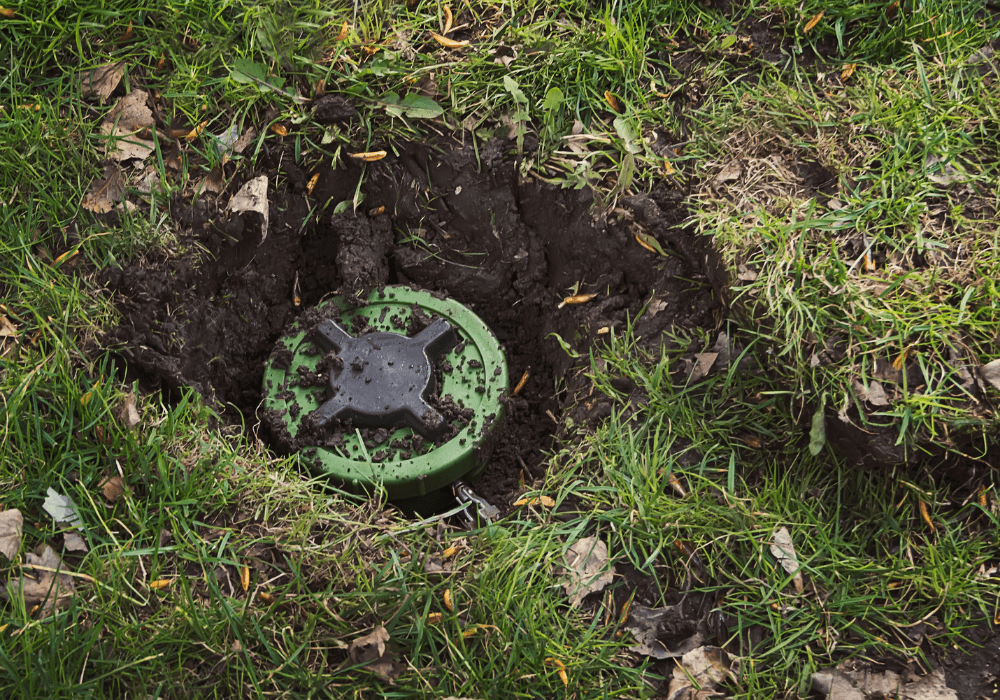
[{"x": 454, "y": 219}]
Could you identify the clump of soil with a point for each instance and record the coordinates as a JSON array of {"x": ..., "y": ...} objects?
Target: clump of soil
[{"x": 438, "y": 218}]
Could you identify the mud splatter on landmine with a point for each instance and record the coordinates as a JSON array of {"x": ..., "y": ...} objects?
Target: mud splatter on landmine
[{"x": 454, "y": 221}]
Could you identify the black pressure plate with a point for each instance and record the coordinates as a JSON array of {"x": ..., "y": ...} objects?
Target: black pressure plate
[{"x": 384, "y": 379}]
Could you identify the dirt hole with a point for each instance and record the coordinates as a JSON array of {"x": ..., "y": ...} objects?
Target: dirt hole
[{"x": 206, "y": 311}]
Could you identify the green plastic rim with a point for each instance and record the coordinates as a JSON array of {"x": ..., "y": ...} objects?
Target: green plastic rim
[{"x": 473, "y": 376}]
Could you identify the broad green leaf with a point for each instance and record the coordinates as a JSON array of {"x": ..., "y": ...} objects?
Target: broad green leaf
[
  {"x": 553, "y": 100},
  {"x": 412, "y": 106},
  {"x": 627, "y": 134},
  {"x": 510, "y": 85},
  {"x": 247, "y": 71}
]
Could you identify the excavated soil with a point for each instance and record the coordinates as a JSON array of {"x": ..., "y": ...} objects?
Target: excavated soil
[{"x": 452, "y": 218}]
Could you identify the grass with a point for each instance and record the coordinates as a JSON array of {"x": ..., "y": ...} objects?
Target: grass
[{"x": 161, "y": 607}]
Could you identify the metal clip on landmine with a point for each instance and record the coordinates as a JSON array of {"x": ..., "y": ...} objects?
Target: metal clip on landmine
[{"x": 476, "y": 508}]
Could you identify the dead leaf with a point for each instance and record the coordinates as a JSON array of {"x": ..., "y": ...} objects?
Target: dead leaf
[
  {"x": 7, "y": 13},
  {"x": 546, "y": 501},
  {"x": 848, "y": 70},
  {"x": 448, "y": 43},
  {"x": 130, "y": 115},
  {"x": 61, "y": 508},
  {"x": 128, "y": 414},
  {"x": 74, "y": 542},
  {"x": 101, "y": 81},
  {"x": 253, "y": 197},
  {"x": 698, "y": 674},
  {"x": 11, "y": 527},
  {"x": 588, "y": 570},
  {"x": 212, "y": 182},
  {"x": 813, "y": 21},
  {"x": 655, "y": 307},
  {"x": 647, "y": 624},
  {"x": 7, "y": 329},
  {"x": 783, "y": 550},
  {"x": 113, "y": 487},
  {"x": 990, "y": 372},
  {"x": 944, "y": 174},
  {"x": 703, "y": 365},
  {"x": 369, "y": 156},
  {"x": 579, "y": 298},
  {"x": 371, "y": 652},
  {"x": 858, "y": 684},
  {"x": 40, "y": 584},
  {"x": 106, "y": 192},
  {"x": 731, "y": 172}
]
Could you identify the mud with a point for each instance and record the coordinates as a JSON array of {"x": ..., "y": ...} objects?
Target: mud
[{"x": 452, "y": 218}]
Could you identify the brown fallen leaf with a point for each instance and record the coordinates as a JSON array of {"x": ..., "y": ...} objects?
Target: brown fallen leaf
[
  {"x": 612, "y": 101},
  {"x": 195, "y": 132},
  {"x": 128, "y": 414},
  {"x": 7, "y": 13},
  {"x": 7, "y": 329},
  {"x": 113, "y": 487},
  {"x": 252, "y": 197},
  {"x": 129, "y": 116},
  {"x": 546, "y": 501},
  {"x": 369, "y": 156},
  {"x": 102, "y": 80},
  {"x": 73, "y": 542},
  {"x": 783, "y": 550},
  {"x": 279, "y": 129},
  {"x": 448, "y": 43},
  {"x": 579, "y": 298},
  {"x": 990, "y": 372},
  {"x": 372, "y": 653},
  {"x": 41, "y": 582},
  {"x": 699, "y": 672},
  {"x": 813, "y": 21},
  {"x": 703, "y": 365},
  {"x": 106, "y": 192},
  {"x": 449, "y": 20},
  {"x": 343, "y": 33},
  {"x": 11, "y": 527},
  {"x": 648, "y": 624},
  {"x": 848, "y": 70},
  {"x": 213, "y": 182},
  {"x": 588, "y": 569}
]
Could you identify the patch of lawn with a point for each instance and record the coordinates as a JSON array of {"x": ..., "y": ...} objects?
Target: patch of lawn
[{"x": 219, "y": 570}]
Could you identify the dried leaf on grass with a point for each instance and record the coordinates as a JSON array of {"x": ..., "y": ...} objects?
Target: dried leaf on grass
[
  {"x": 113, "y": 487},
  {"x": 648, "y": 624},
  {"x": 698, "y": 674},
  {"x": 842, "y": 684},
  {"x": 128, "y": 414},
  {"x": 213, "y": 182},
  {"x": 106, "y": 192},
  {"x": 40, "y": 583},
  {"x": 61, "y": 508},
  {"x": 130, "y": 115},
  {"x": 7, "y": 329},
  {"x": 101, "y": 81},
  {"x": 990, "y": 372},
  {"x": 11, "y": 527},
  {"x": 784, "y": 551},
  {"x": 703, "y": 365},
  {"x": 730, "y": 172},
  {"x": 73, "y": 542},
  {"x": 253, "y": 197},
  {"x": 588, "y": 570},
  {"x": 371, "y": 652},
  {"x": 874, "y": 393}
]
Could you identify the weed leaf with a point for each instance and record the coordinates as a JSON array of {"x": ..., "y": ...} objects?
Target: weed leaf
[
  {"x": 511, "y": 86},
  {"x": 817, "y": 433},
  {"x": 412, "y": 106}
]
